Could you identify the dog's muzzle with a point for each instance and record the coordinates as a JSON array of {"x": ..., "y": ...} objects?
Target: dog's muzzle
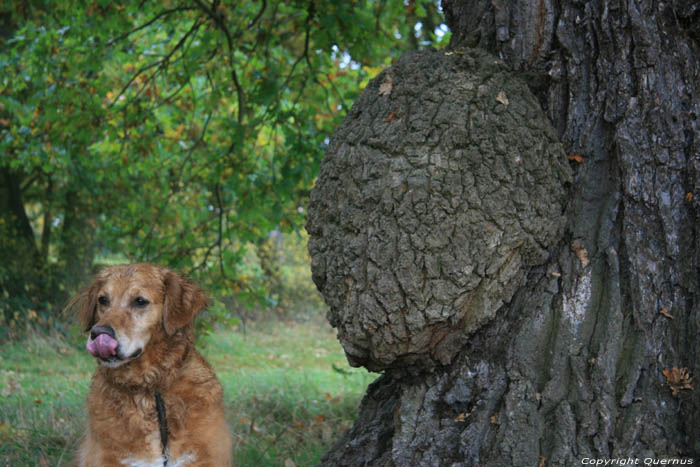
[{"x": 102, "y": 342}]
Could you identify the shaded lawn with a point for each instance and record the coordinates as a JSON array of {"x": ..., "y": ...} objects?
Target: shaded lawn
[{"x": 289, "y": 391}]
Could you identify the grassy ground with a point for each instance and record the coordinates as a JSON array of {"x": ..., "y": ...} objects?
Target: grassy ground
[{"x": 289, "y": 391}]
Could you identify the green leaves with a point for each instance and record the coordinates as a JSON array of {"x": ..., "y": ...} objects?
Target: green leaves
[{"x": 186, "y": 129}]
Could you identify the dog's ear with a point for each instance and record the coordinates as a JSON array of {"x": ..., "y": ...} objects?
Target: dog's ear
[
  {"x": 86, "y": 302},
  {"x": 183, "y": 300}
]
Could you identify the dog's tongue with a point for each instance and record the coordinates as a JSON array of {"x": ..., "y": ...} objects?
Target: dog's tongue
[{"x": 102, "y": 346}]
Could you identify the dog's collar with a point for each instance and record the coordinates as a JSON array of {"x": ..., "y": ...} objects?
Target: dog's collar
[{"x": 163, "y": 425}]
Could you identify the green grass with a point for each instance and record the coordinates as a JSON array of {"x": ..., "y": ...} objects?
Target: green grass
[{"x": 287, "y": 403}]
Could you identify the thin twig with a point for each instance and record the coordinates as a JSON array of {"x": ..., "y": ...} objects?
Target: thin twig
[
  {"x": 148, "y": 23},
  {"x": 309, "y": 17},
  {"x": 181, "y": 169},
  {"x": 259, "y": 15},
  {"x": 161, "y": 64},
  {"x": 220, "y": 207},
  {"x": 218, "y": 19}
]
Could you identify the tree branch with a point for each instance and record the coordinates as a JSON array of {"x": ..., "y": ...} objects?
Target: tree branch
[
  {"x": 161, "y": 64},
  {"x": 259, "y": 15},
  {"x": 48, "y": 220},
  {"x": 219, "y": 21},
  {"x": 311, "y": 11},
  {"x": 220, "y": 208},
  {"x": 148, "y": 23},
  {"x": 181, "y": 170}
]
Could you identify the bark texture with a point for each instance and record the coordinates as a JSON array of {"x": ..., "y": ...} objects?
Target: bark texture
[
  {"x": 572, "y": 365},
  {"x": 443, "y": 182}
]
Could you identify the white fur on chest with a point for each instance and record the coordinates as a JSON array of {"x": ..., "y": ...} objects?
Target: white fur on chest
[{"x": 183, "y": 461}]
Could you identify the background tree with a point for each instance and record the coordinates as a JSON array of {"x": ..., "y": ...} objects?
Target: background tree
[
  {"x": 588, "y": 349},
  {"x": 177, "y": 132}
]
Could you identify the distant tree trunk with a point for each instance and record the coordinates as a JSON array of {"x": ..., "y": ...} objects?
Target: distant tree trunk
[
  {"x": 20, "y": 259},
  {"x": 575, "y": 358},
  {"x": 267, "y": 249},
  {"x": 77, "y": 241}
]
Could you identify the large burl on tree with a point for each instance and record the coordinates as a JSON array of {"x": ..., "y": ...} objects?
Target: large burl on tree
[
  {"x": 522, "y": 314},
  {"x": 442, "y": 186}
]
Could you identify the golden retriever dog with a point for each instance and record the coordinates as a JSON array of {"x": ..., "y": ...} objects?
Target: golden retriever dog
[{"x": 154, "y": 401}]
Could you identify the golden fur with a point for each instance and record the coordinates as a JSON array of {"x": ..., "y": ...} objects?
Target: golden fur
[{"x": 155, "y": 354}]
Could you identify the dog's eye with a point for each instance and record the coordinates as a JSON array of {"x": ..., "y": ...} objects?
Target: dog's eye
[
  {"x": 103, "y": 300},
  {"x": 140, "y": 302}
]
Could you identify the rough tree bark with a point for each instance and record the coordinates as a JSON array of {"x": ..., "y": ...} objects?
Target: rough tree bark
[{"x": 571, "y": 348}]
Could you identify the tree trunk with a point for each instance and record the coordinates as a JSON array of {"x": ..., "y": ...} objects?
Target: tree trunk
[
  {"x": 77, "y": 247},
  {"x": 575, "y": 359},
  {"x": 267, "y": 249},
  {"x": 20, "y": 259}
]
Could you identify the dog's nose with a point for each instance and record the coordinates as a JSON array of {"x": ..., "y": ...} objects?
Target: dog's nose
[{"x": 97, "y": 330}]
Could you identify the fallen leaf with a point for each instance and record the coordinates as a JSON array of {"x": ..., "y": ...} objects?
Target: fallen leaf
[
  {"x": 393, "y": 114},
  {"x": 462, "y": 417},
  {"x": 6, "y": 430},
  {"x": 556, "y": 274},
  {"x": 678, "y": 379},
  {"x": 12, "y": 387},
  {"x": 664, "y": 311},
  {"x": 501, "y": 97},
  {"x": 289, "y": 463},
  {"x": 542, "y": 461},
  {"x": 494, "y": 418},
  {"x": 385, "y": 87},
  {"x": 581, "y": 252},
  {"x": 689, "y": 196},
  {"x": 326, "y": 433},
  {"x": 575, "y": 156}
]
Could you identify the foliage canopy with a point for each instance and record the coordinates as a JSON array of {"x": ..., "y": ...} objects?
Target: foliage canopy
[{"x": 177, "y": 132}]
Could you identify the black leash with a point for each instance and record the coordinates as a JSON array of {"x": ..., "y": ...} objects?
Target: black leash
[{"x": 163, "y": 424}]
